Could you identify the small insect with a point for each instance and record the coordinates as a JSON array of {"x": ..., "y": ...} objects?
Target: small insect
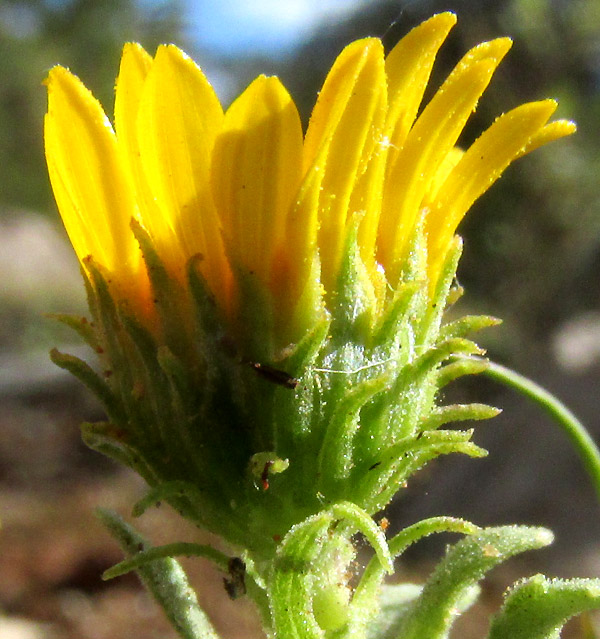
[
  {"x": 264, "y": 476},
  {"x": 235, "y": 585},
  {"x": 275, "y": 375}
]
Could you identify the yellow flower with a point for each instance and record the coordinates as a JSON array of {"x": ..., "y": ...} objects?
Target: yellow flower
[{"x": 260, "y": 202}]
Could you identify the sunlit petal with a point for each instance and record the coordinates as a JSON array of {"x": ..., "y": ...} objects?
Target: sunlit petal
[
  {"x": 482, "y": 165},
  {"x": 344, "y": 131},
  {"x": 88, "y": 175},
  {"x": 135, "y": 64},
  {"x": 408, "y": 67},
  {"x": 430, "y": 140},
  {"x": 254, "y": 203},
  {"x": 549, "y": 133},
  {"x": 178, "y": 121}
]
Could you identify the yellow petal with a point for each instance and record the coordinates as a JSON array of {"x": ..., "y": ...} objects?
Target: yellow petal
[
  {"x": 133, "y": 71},
  {"x": 178, "y": 120},
  {"x": 135, "y": 64},
  {"x": 354, "y": 82},
  {"x": 348, "y": 71},
  {"x": 88, "y": 175},
  {"x": 366, "y": 200},
  {"x": 443, "y": 171},
  {"x": 428, "y": 143},
  {"x": 301, "y": 230},
  {"x": 408, "y": 67},
  {"x": 344, "y": 132},
  {"x": 551, "y": 132},
  {"x": 481, "y": 165},
  {"x": 256, "y": 173},
  {"x": 493, "y": 50}
]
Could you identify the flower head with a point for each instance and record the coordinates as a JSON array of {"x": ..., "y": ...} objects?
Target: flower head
[
  {"x": 258, "y": 202},
  {"x": 270, "y": 304}
]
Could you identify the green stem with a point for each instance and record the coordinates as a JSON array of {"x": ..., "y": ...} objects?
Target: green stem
[
  {"x": 165, "y": 579},
  {"x": 576, "y": 432}
]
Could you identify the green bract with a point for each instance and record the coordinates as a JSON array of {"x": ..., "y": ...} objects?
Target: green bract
[{"x": 248, "y": 448}]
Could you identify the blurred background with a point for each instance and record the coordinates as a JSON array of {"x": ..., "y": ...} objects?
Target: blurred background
[{"x": 532, "y": 257}]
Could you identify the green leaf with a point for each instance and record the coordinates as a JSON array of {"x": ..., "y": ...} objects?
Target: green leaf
[
  {"x": 378, "y": 483},
  {"x": 167, "y": 292},
  {"x": 166, "y": 490},
  {"x": 293, "y": 577},
  {"x": 255, "y": 313},
  {"x": 92, "y": 380},
  {"x": 183, "y": 392},
  {"x": 108, "y": 439},
  {"x": 400, "y": 306},
  {"x": 352, "y": 305},
  {"x": 166, "y": 580},
  {"x": 432, "y": 317},
  {"x": 459, "y": 368},
  {"x": 336, "y": 454},
  {"x": 468, "y": 324},
  {"x": 105, "y": 312},
  {"x": 464, "y": 565},
  {"x": 80, "y": 325},
  {"x": 442, "y": 351},
  {"x": 405, "y": 538},
  {"x": 395, "y": 601},
  {"x": 458, "y": 413},
  {"x": 149, "y": 555},
  {"x": 307, "y": 349},
  {"x": 189, "y": 499},
  {"x": 365, "y": 524},
  {"x": 538, "y": 607},
  {"x": 303, "y": 600},
  {"x": 207, "y": 315},
  {"x": 365, "y": 603},
  {"x": 110, "y": 331},
  {"x": 398, "y": 600}
]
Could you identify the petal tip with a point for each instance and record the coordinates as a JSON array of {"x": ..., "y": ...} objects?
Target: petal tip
[
  {"x": 175, "y": 51},
  {"x": 132, "y": 46},
  {"x": 55, "y": 74},
  {"x": 446, "y": 18},
  {"x": 169, "y": 53},
  {"x": 61, "y": 81},
  {"x": 501, "y": 46},
  {"x": 564, "y": 128},
  {"x": 362, "y": 47}
]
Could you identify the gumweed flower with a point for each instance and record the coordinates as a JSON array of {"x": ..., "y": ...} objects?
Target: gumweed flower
[{"x": 267, "y": 304}]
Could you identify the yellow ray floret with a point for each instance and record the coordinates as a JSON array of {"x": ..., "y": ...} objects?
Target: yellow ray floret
[
  {"x": 252, "y": 197},
  {"x": 255, "y": 173},
  {"x": 90, "y": 180},
  {"x": 482, "y": 164}
]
